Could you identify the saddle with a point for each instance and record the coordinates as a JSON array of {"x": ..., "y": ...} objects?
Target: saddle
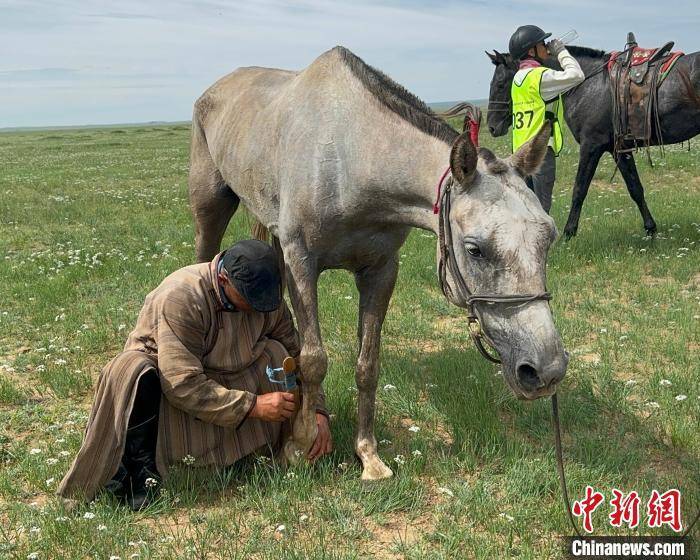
[{"x": 635, "y": 77}]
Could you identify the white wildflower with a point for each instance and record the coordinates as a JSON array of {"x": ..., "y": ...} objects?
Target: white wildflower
[
  {"x": 681, "y": 397},
  {"x": 653, "y": 404},
  {"x": 281, "y": 528},
  {"x": 389, "y": 387},
  {"x": 102, "y": 527},
  {"x": 630, "y": 382},
  {"x": 33, "y": 556},
  {"x": 342, "y": 466},
  {"x": 417, "y": 453},
  {"x": 399, "y": 459},
  {"x": 188, "y": 460},
  {"x": 384, "y": 442},
  {"x": 151, "y": 482},
  {"x": 414, "y": 429},
  {"x": 50, "y": 481},
  {"x": 445, "y": 491},
  {"x": 51, "y": 461},
  {"x": 35, "y": 530},
  {"x": 35, "y": 451},
  {"x": 88, "y": 515},
  {"x": 303, "y": 517},
  {"x": 665, "y": 383},
  {"x": 506, "y": 516},
  {"x": 291, "y": 475}
]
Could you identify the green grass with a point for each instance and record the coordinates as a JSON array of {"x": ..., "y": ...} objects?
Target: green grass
[{"x": 92, "y": 220}]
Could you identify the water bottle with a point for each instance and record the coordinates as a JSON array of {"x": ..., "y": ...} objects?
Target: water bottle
[{"x": 569, "y": 37}]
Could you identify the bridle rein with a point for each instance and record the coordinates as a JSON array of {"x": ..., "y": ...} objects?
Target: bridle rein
[{"x": 464, "y": 296}]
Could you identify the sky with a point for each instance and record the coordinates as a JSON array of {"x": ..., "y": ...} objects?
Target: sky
[{"x": 68, "y": 62}]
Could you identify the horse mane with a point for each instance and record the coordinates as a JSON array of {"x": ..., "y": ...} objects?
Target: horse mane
[
  {"x": 585, "y": 51},
  {"x": 397, "y": 98}
]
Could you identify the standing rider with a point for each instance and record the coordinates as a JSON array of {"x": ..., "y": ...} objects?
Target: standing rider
[{"x": 537, "y": 96}]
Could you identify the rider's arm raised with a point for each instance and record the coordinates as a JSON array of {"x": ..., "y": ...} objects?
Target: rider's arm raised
[{"x": 556, "y": 82}]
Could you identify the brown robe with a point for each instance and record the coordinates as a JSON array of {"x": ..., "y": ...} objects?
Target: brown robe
[{"x": 211, "y": 364}]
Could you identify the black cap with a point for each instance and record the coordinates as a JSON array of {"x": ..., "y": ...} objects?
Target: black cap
[
  {"x": 253, "y": 269},
  {"x": 525, "y": 36}
]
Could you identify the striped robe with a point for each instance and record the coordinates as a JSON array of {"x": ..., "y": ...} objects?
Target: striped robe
[{"x": 211, "y": 364}]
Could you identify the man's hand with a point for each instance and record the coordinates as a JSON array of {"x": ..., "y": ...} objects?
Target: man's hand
[
  {"x": 274, "y": 407},
  {"x": 555, "y": 46},
  {"x": 324, "y": 441}
]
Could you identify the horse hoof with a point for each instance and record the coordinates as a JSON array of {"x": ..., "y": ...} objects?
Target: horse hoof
[
  {"x": 651, "y": 231},
  {"x": 292, "y": 453},
  {"x": 569, "y": 233},
  {"x": 377, "y": 470}
]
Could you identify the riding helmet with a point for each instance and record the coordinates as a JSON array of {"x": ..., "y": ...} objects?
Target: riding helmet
[{"x": 525, "y": 36}]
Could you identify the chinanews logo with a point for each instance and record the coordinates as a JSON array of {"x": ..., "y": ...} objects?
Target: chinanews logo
[
  {"x": 660, "y": 509},
  {"x": 629, "y": 510}
]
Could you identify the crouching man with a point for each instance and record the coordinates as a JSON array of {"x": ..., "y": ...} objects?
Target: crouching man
[{"x": 192, "y": 379}]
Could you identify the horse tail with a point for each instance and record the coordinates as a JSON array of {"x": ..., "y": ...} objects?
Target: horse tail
[
  {"x": 260, "y": 232},
  {"x": 462, "y": 108}
]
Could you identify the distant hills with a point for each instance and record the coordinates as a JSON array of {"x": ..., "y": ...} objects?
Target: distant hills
[{"x": 436, "y": 106}]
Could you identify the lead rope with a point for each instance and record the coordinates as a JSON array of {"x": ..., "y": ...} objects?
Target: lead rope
[
  {"x": 562, "y": 476},
  {"x": 560, "y": 463}
]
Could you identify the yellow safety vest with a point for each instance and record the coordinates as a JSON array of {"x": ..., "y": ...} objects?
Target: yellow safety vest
[{"x": 529, "y": 111}]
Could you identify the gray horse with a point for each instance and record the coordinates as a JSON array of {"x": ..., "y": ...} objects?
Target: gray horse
[{"x": 339, "y": 162}]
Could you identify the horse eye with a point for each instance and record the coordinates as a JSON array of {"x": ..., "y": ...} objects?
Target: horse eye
[{"x": 474, "y": 250}]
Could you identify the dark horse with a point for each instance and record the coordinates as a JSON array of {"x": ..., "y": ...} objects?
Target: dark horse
[{"x": 588, "y": 113}]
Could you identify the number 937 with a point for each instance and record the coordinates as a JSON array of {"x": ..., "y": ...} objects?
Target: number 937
[{"x": 521, "y": 117}]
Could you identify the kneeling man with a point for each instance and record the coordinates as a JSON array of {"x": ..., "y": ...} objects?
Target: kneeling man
[{"x": 192, "y": 380}]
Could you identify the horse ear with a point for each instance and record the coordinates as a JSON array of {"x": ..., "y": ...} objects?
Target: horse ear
[
  {"x": 463, "y": 159},
  {"x": 529, "y": 157},
  {"x": 493, "y": 57}
]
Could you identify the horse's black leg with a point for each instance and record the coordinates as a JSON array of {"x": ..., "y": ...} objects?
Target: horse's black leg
[
  {"x": 589, "y": 156},
  {"x": 626, "y": 165}
]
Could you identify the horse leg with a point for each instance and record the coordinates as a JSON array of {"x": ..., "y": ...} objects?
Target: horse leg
[
  {"x": 628, "y": 168},
  {"x": 375, "y": 285},
  {"x": 589, "y": 156},
  {"x": 211, "y": 200},
  {"x": 302, "y": 281}
]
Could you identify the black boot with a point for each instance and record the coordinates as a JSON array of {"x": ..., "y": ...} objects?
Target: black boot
[
  {"x": 119, "y": 483},
  {"x": 140, "y": 463},
  {"x": 139, "y": 459}
]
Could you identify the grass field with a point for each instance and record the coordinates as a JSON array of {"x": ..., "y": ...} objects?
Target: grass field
[{"x": 92, "y": 220}]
